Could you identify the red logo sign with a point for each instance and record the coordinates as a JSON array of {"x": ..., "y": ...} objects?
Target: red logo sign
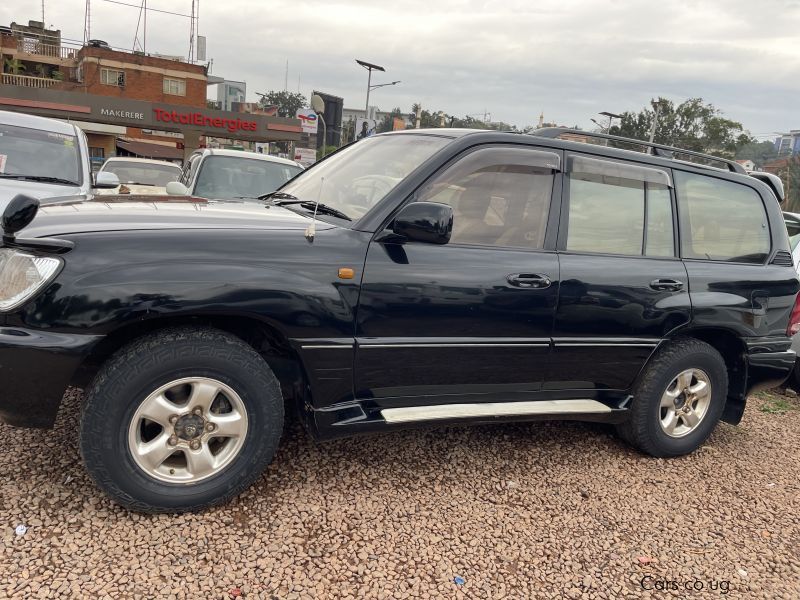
[{"x": 201, "y": 120}]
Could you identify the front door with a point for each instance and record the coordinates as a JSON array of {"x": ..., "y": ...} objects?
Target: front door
[
  {"x": 470, "y": 319},
  {"x": 623, "y": 287}
]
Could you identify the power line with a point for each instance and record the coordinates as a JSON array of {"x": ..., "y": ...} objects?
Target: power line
[{"x": 166, "y": 12}]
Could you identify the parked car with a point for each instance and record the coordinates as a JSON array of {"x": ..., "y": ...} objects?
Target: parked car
[
  {"x": 140, "y": 175},
  {"x": 229, "y": 174},
  {"x": 413, "y": 278},
  {"x": 44, "y": 158},
  {"x": 793, "y": 227}
]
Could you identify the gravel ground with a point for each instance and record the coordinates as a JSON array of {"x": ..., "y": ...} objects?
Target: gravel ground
[{"x": 519, "y": 511}]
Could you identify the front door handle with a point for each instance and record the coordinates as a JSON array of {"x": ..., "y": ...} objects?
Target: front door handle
[
  {"x": 529, "y": 280},
  {"x": 666, "y": 285}
]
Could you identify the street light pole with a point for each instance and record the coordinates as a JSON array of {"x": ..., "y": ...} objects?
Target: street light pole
[{"x": 370, "y": 68}]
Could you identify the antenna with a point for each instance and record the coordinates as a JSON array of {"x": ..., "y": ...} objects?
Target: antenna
[
  {"x": 311, "y": 230},
  {"x": 87, "y": 23},
  {"x": 43, "y": 23},
  {"x": 142, "y": 12},
  {"x": 192, "y": 30}
]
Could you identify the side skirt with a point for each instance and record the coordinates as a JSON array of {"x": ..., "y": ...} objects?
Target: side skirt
[{"x": 367, "y": 416}]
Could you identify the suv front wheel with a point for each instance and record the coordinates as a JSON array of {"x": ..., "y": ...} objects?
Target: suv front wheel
[
  {"x": 678, "y": 399},
  {"x": 180, "y": 420}
]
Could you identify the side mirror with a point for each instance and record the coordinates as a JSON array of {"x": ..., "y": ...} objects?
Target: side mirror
[
  {"x": 105, "y": 180},
  {"x": 18, "y": 215},
  {"x": 428, "y": 222},
  {"x": 176, "y": 188}
]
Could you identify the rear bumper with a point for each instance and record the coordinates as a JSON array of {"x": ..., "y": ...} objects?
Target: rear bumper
[
  {"x": 769, "y": 362},
  {"x": 36, "y": 367}
]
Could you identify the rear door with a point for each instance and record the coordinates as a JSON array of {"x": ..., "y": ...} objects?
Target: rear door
[
  {"x": 471, "y": 318},
  {"x": 623, "y": 287}
]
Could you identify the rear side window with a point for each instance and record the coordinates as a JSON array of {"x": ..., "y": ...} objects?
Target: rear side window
[
  {"x": 616, "y": 208},
  {"x": 721, "y": 220}
]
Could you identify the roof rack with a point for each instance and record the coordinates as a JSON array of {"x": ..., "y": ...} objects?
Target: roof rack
[{"x": 654, "y": 149}]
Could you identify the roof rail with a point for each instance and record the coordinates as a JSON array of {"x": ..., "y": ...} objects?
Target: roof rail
[{"x": 652, "y": 148}]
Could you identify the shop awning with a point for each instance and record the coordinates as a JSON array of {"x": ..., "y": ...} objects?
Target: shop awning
[{"x": 145, "y": 150}]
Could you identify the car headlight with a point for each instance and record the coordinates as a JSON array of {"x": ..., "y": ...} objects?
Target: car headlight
[{"x": 22, "y": 275}]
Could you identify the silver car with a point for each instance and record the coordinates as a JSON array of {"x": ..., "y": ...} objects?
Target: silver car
[{"x": 44, "y": 158}]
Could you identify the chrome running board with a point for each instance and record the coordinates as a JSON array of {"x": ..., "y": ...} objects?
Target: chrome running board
[{"x": 494, "y": 409}]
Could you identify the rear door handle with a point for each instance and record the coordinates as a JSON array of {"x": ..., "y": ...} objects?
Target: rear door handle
[
  {"x": 529, "y": 280},
  {"x": 666, "y": 285}
]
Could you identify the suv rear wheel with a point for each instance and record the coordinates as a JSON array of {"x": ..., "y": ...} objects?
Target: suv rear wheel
[
  {"x": 181, "y": 420},
  {"x": 678, "y": 399}
]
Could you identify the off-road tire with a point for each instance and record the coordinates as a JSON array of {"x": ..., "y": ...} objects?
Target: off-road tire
[
  {"x": 156, "y": 359},
  {"x": 643, "y": 429}
]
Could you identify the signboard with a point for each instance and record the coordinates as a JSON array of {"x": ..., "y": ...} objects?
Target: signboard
[
  {"x": 398, "y": 124},
  {"x": 365, "y": 127},
  {"x": 149, "y": 115},
  {"x": 305, "y": 156},
  {"x": 309, "y": 120}
]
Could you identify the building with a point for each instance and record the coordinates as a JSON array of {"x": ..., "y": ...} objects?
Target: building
[
  {"x": 748, "y": 164},
  {"x": 789, "y": 143},
  {"x": 128, "y": 103},
  {"x": 230, "y": 92}
]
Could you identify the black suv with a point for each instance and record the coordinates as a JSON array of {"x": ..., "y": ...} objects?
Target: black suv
[{"x": 429, "y": 276}]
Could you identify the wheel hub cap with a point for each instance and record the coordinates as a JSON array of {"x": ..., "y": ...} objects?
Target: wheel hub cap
[
  {"x": 189, "y": 427},
  {"x": 187, "y": 430}
]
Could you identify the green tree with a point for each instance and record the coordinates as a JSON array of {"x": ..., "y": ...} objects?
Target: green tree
[
  {"x": 14, "y": 66},
  {"x": 692, "y": 124},
  {"x": 758, "y": 152},
  {"x": 288, "y": 103}
]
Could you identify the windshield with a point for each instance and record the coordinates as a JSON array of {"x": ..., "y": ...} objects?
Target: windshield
[
  {"x": 361, "y": 175},
  {"x": 130, "y": 171},
  {"x": 229, "y": 177},
  {"x": 37, "y": 153}
]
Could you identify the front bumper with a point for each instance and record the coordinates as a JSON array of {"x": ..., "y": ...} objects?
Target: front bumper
[{"x": 36, "y": 367}]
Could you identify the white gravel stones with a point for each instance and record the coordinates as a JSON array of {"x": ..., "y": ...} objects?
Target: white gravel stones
[{"x": 539, "y": 510}]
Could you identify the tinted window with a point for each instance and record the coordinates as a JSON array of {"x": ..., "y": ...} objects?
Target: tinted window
[
  {"x": 721, "y": 220},
  {"x": 609, "y": 204},
  {"x": 500, "y": 197}
]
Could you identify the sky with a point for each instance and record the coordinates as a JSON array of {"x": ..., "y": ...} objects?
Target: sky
[{"x": 568, "y": 59}]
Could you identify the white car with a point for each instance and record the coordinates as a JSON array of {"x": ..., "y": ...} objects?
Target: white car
[
  {"x": 140, "y": 176},
  {"x": 44, "y": 158},
  {"x": 227, "y": 174}
]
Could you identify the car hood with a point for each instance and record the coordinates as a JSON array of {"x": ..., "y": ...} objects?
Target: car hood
[
  {"x": 125, "y": 213},
  {"x": 36, "y": 189}
]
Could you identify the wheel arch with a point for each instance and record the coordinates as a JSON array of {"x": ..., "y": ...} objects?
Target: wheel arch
[
  {"x": 264, "y": 338},
  {"x": 733, "y": 351}
]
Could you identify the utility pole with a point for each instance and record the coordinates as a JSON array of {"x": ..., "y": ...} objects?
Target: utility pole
[{"x": 657, "y": 109}]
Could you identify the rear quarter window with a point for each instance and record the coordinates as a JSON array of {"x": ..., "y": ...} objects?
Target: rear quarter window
[{"x": 721, "y": 220}]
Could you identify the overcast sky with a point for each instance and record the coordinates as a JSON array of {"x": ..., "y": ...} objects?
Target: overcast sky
[{"x": 567, "y": 58}]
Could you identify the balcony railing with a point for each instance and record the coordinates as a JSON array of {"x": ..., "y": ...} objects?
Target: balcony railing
[
  {"x": 28, "y": 81},
  {"x": 37, "y": 48}
]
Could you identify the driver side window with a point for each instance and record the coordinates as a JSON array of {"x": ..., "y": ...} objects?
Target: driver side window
[{"x": 499, "y": 196}]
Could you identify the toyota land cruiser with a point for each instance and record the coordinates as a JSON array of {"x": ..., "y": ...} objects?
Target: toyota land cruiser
[{"x": 421, "y": 277}]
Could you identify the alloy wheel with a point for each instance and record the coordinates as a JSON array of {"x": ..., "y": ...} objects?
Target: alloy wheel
[{"x": 187, "y": 430}]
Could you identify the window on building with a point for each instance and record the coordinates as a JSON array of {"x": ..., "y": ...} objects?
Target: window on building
[
  {"x": 174, "y": 87},
  {"x": 112, "y": 77},
  {"x": 609, "y": 204},
  {"x": 721, "y": 220},
  {"x": 500, "y": 196}
]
